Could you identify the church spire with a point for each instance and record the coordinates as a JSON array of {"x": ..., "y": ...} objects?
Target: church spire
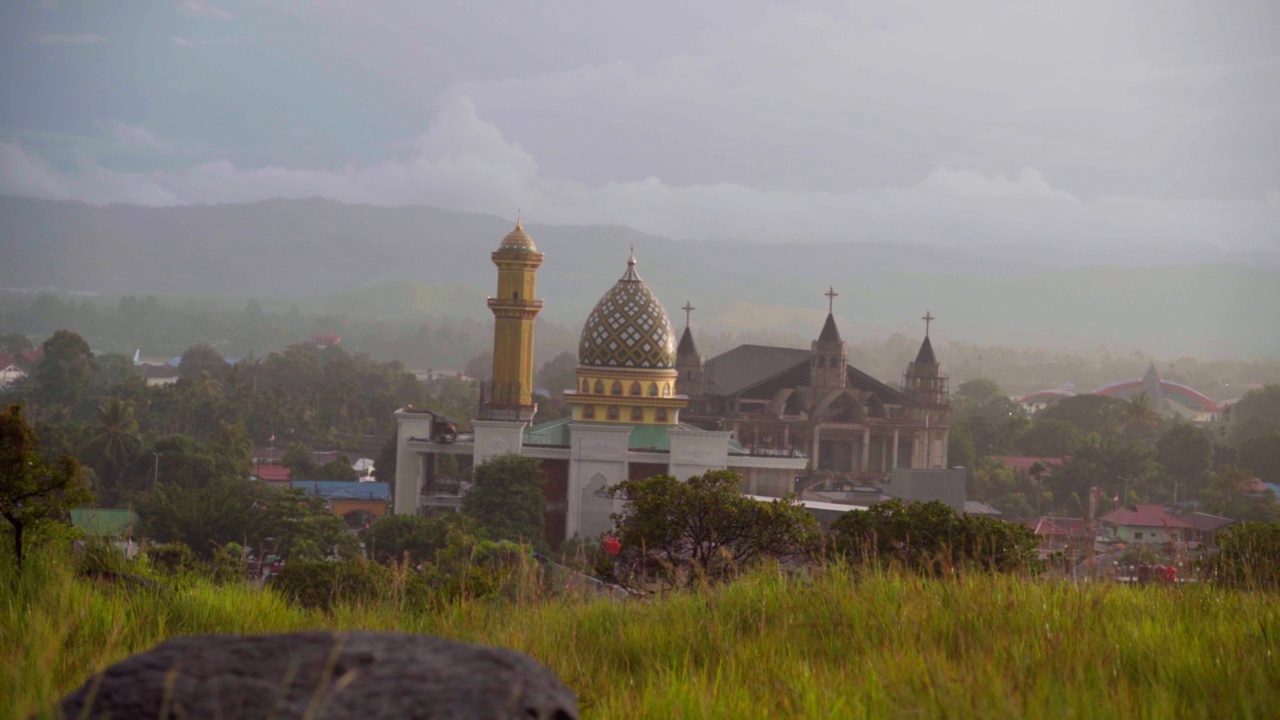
[
  {"x": 926, "y": 356},
  {"x": 687, "y": 346}
]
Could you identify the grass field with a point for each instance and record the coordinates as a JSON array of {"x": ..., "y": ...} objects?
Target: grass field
[{"x": 836, "y": 644}]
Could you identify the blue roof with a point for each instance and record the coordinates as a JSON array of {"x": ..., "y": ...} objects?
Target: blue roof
[{"x": 344, "y": 489}]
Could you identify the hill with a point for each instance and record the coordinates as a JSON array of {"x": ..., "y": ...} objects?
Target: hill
[{"x": 397, "y": 261}]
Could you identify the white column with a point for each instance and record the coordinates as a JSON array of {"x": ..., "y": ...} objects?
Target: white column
[
  {"x": 894, "y": 456},
  {"x": 865, "y": 463}
]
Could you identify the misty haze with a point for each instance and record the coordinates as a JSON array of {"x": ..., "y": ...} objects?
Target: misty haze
[{"x": 752, "y": 359}]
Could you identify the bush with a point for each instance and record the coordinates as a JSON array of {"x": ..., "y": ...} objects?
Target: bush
[
  {"x": 1248, "y": 556},
  {"x": 415, "y": 537},
  {"x": 704, "y": 528},
  {"x": 173, "y": 558},
  {"x": 932, "y": 538},
  {"x": 228, "y": 564},
  {"x": 322, "y": 585}
]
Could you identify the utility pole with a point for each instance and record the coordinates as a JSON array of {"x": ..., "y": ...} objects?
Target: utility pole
[{"x": 155, "y": 476}]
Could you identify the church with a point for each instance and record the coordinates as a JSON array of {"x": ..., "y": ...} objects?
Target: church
[{"x": 785, "y": 419}]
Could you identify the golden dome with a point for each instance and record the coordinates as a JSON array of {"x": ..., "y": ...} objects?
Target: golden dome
[
  {"x": 518, "y": 239},
  {"x": 628, "y": 328}
]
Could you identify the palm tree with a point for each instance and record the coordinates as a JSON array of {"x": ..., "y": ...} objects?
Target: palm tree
[
  {"x": 1139, "y": 415},
  {"x": 115, "y": 441}
]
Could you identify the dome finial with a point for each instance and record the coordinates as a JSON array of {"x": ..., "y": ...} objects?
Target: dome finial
[
  {"x": 632, "y": 260},
  {"x": 518, "y": 227}
]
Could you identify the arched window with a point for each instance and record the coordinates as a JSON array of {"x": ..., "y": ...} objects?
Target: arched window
[
  {"x": 588, "y": 412},
  {"x": 637, "y": 414},
  {"x": 666, "y": 389},
  {"x": 586, "y": 386},
  {"x": 599, "y": 387},
  {"x": 688, "y": 375},
  {"x": 635, "y": 388},
  {"x": 617, "y": 387},
  {"x": 653, "y": 389},
  {"x": 660, "y": 415},
  {"x": 613, "y": 412}
]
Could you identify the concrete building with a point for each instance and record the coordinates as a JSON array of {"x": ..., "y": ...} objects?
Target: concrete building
[{"x": 632, "y": 389}]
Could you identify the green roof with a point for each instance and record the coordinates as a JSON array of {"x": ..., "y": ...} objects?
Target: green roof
[
  {"x": 104, "y": 522},
  {"x": 643, "y": 437}
]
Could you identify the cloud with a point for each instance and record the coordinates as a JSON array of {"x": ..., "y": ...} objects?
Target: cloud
[
  {"x": 464, "y": 162},
  {"x": 56, "y": 39},
  {"x": 194, "y": 8},
  {"x": 138, "y": 136}
]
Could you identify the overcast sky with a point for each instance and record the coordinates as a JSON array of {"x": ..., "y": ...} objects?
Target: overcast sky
[{"x": 1089, "y": 122}]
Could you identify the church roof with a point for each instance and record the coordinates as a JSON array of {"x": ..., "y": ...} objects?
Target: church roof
[
  {"x": 926, "y": 356},
  {"x": 518, "y": 239},
  {"x": 628, "y": 328},
  {"x": 829, "y": 332},
  {"x": 687, "y": 346},
  {"x": 736, "y": 370}
]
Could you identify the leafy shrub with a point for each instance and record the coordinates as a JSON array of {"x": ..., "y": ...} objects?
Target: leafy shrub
[
  {"x": 1248, "y": 556},
  {"x": 704, "y": 528},
  {"x": 932, "y": 538},
  {"x": 417, "y": 538},
  {"x": 228, "y": 564},
  {"x": 173, "y": 558},
  {"x": 322, "y": 584}
]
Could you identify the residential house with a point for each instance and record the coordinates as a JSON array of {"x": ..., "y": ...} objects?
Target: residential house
[
  {"x": 1204, "y": 527},
  {"x": 1145, "y": 525}
]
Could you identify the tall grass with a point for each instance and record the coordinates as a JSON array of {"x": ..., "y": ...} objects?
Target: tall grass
[{"x": 837, "y": 643}]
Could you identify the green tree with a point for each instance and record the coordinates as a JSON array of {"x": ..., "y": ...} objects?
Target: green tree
[
  {"x": 1231, "y": 493},
  {"x": 14, "y": 343},
  {"x": 66, "y": 369},
  {"x": 506, "y": 499},
  {"x": 384, "y": 466},
  {"x": 558, "y": 374},
  {"x": 705, "y": 527},
  {"x": 33, "y": 492},
  {"x": 115, "y": 442},
  {"x": 1256, "y": 414},
  {"x": 1048, "y": 437},
  {"x": 1186, "y": 454},
  {"x": 960, "y": 451},
  {"x": 1248, "y": 556},
  {"x": 339, "y": 469},
  {"x": 1261, "y": 454},
  {"x": 300, "y": 461},
  {"x": 201, "y": 359},
  {"x": 931, "y": 537},
  {"x": 1088, "y": 413},
  {"x": 232, "y": 450},
  {"x": 417, "y": 538}
]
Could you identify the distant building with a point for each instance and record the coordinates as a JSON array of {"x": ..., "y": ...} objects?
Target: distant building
[
  {"x": 1145, "y": 525},
  {"x": 17, "y": 366},
  {"x": 358, "y": 503},
  {"x": 643, "y": 405},
  {"x": 1167, "y": 397}
]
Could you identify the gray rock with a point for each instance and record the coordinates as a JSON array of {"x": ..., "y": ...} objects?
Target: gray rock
[{"x": 324, "y": 675}]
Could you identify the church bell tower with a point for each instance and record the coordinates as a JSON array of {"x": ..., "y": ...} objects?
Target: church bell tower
[{"x": 510, "y": 396}]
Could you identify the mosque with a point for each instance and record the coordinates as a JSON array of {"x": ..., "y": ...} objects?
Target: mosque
[{"x": 643, "y": 404}]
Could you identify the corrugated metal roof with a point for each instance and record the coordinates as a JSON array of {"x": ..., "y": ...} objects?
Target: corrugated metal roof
[
  {"x": 1144, "y": 516},
  {"x": 346, "y": 489}
]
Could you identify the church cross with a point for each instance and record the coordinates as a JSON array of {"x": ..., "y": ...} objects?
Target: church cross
[
  {"x": 928, "y": 318},
  {"x": 688, "y": 308},
  {"x": 831, "y": 299}
]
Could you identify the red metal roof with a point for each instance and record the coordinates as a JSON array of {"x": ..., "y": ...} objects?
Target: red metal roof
[
  {"x": 273, "y": 473},
  {"x": 1045, "y": 526},
  {"x": 1145, "y": 516}
]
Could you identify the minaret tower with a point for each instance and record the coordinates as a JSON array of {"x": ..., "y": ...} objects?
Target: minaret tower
[
  {"x": 830, "y": 360},
  {"x": 514, "y": 309}
]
